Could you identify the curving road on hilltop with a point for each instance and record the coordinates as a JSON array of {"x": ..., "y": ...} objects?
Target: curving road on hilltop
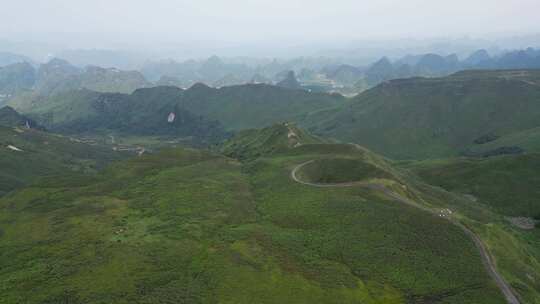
[{"x": 487, "y": 261}]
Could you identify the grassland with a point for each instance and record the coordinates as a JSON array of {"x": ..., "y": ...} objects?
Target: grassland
[
  {"x": 510, "y": 185},
  {"x": 421, "y": 118},
  {"x": 187, "y": 226},
  {"x": 339, "y": 170},
  {"x": 42, "y": 155},
  {"x": 528, "y": 140},
  {"x": 500, "y": 187}
]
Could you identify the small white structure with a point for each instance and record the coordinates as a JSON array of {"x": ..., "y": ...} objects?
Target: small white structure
[
  {"x": 171, "y": 117},
  {"x": 14, "y": 148}
]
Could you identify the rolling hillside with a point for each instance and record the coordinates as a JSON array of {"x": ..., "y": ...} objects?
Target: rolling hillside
[
  {"x": 503, "y": 193},
  {"x": 253, "y": 143},
  {"x": 26, "y": 155},
  {"x": 11, "y": 118},
  {"x": 508, "y": 184},
  {"x": 436, "y": 117},
  {"x": 187, "y": 225},
  {"x": 255, "y": 105},
  {"x": 146, "y": 112},
  {"x": 199, "y": 111}
]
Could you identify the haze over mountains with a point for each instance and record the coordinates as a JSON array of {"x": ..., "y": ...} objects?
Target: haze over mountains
[{"x": 318, "y": 74}]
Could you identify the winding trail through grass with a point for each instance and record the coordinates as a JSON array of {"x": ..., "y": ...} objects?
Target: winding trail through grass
[{"x": 487, "y": 261}]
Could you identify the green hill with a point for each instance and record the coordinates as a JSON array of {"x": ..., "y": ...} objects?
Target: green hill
[
  {"x": 200, "y": 111},
  {"x": 253, "y": 143},
  {"x": 277, "y": 216},
  {"x": 435, "y": 117},
  {"x": 508, "y": 184},
  {"x": 146, "y": 112},
  {"x": 11, "y": 118},
  {"x": 27, "y": 155},
  {"x": 528, "y": 140},
  {"x": 339, "y": 170},
  {"x": 190, "y": 226},
  {"x": 503, "y": 193},
  {"x": 255, "y": 105}
]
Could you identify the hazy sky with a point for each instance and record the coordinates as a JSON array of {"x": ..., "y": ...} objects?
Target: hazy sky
[{"x": 263, "y": 20}]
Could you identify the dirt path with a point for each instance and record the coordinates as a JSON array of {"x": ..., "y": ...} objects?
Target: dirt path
[{"x": 487, "y": 261}]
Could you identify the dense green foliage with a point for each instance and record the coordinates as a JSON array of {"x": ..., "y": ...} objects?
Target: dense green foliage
[
  {"x": 255, "y": 105},
  {"x": 193, "y": 226},
  {"x": 27, "y": 155},
  {"x": 339, "y": 170},
  {"x": 253, "y": 143},
  {"x": 190, "y": 226},
  {"x": 11, "y": 118},
  {"x": 436, "y": 117},
  {"x": 486, "y": 193},
  {"x": 508, "y": 184},
  {"x": 145, "y": 112},
  {"x": 200, "y": 111},
  {"x": 528, "y": 140}
]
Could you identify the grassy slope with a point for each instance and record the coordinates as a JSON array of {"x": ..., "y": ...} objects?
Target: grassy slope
[
  {"x": 197, "y": 109},
  {"x": 437, "y": 117},
  {"x": 236, "y": 107},
  {"x": 253, "y": 143},
  {"x": 508, "y": 184},
  {"x": 59, "y": 109},
  {"x": 256, "y": 105},
  {"x": 143, "y": 113},
  {"x": 190, "y": 226},
  {"x": 529, "y": 140},
  {"x": 11, "y": 118},
  {"x": 45, "y": 154},
  {"x": 339, "y": 170},
  {"x": 505, "y": 185}
]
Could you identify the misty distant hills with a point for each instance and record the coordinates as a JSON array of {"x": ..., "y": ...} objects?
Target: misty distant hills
[
  {"x": 290, "y": 82},
  {"x": 433, "y": 65},
  {"x": 316, "y": 74},
  {"x": 7, "y": 58},
  {"x": 16, "y": 77},
  {"x": 58, "y": 75}
]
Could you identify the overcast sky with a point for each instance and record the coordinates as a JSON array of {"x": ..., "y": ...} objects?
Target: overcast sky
[{"x": 101, "y": 23}]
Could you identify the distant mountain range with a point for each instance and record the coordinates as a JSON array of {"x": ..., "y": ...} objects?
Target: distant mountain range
[
  {"x": 59, "y": 76},
  {"x": 7, "y": 58},
  {"x": 316, "y": 74},
  {"x": 433, "y": 65}
]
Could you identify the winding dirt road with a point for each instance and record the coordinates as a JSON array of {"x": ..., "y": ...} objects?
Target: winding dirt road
[{"x": 487, "y": 261}]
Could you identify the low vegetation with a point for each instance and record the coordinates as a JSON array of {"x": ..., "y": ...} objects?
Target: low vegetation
[
  {"x": 339, "y": 170},
  {"x": 508, "y": 184},
  {"x": 422, "y": 118},
  {"x": 28, "y": 155},
  {"x": 192, "y": 226}
]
